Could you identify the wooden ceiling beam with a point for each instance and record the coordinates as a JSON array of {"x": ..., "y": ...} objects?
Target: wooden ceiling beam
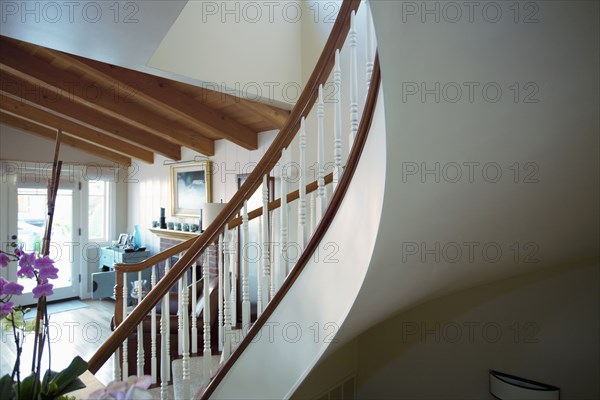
[
  {"x": 275, "y": 116},
  {"x": 70, "y": 128},
  {"x": 49, "y": 133},
  {"x": 56, "y": 103},
  {"x": 157, "y": 94},
  {"x": 37, "y": 71}
]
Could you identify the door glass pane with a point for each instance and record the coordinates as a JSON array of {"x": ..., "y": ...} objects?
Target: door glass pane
[
  {"x": 31, "y": 221},
  {"x": 98, "y": 211}
]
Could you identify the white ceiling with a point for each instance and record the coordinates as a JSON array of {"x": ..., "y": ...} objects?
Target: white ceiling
[{"x": 123, "y": 33}]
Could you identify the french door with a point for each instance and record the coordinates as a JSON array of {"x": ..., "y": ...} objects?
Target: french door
[{"x": 27, "y": 211}]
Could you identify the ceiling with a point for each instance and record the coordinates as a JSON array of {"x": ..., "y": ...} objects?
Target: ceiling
[{"x": 118, "y": 113}]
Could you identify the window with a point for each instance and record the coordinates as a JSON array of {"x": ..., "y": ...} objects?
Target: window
[{"x": 99, "y": 211}]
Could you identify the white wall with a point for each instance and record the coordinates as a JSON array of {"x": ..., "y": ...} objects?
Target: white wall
[
  {"x": 248, "y": 49},
  {"x": 554, "y": 215},
  {"x": 22, "y": 146},
  {"x": 149, "y": 189},
  {"x": 541, "y": 326}
]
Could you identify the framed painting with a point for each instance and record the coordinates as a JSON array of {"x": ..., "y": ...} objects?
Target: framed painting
[{"x": 190, "y": 187}]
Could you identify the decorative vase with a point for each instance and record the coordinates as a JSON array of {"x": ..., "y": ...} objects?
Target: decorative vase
[{"x": 137, "y": 237}]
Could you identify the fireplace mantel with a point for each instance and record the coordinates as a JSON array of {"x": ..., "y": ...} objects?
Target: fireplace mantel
[{"x": 172, "y": 234}]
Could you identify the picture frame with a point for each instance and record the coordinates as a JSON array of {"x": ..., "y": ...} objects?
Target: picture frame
[
  {"x": 191, "y": 186},
  {"x": 122, "y": 241}
]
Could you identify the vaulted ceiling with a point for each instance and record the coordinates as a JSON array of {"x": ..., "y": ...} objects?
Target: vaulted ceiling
[{"x": 117, "y": 113}]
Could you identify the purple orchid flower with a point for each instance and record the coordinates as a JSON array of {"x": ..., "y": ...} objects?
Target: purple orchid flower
[
  {"x": 43, "y": 262},
  {"x": 19, "y": 251},
  {"x": 12, "y": 288},
  {"x": 132, "y": 388},
  {"x": 45, "y": 289},
  {"x": 26, "y": 264},
  {"x": 4, "y": 260},
  {"x": 45, "y": 266},
  {"x": 6, "y": 308},
  {"x": 49, "y": 272}
]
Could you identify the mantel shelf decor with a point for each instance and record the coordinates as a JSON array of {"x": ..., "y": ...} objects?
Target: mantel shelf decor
[{"x": 172, "y": 234}]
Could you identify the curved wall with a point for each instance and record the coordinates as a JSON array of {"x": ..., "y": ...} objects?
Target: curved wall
[
  {"x": 304, "y": 323},
  {"x": 489, "y": 184}
]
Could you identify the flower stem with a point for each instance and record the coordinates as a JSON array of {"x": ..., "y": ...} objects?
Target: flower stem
[{"x": 17, "y": 367}]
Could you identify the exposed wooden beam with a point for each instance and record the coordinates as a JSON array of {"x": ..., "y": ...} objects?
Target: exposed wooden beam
[
  {"x": 49, "y": 133},
  {"x": 275, "y": 116},
  {"x": 70, "y": 128},
  {"x": 157, "y": 94},
  {"x": 56, "y": 103},
  {"x": 37, "y": 71}
]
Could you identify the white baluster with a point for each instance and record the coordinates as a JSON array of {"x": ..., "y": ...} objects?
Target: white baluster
[
  {"x": 193, "y": 312},
  {"x": 266, "y": 262},
  {"x": 125, "y": 345},
  {"x": 337, "y": 128},
  {"x": 370, "y": 46},
  {"x": 165, "y": 358},
  {"x": 302, "y": 228},
  {"x": 220, "y": 300},
  {"x": 185, "y": 347},
  {"x": 117, "y": 365},
  {"x": 168, "y": 315},
  {"x": 227, "y": 293},
  {"x": 206, "y": 317},
  {"x": 153, "y": 366},
  {"x": 140, "y": 329},
  {"x": 275, "y": 254},
  {"x": 234, "y": 277},
  {"x": 245, "y": 271},
  {"x": 283, "y": 238},
  {"x": 179, "y": 317},
  {"x": 321, "y": 196},
  {"x": 259, "y": 273},
  {"x": 117, "y": 353},
  {"x": 313, "y": 212},
  {"x": 353, "y": 80}
]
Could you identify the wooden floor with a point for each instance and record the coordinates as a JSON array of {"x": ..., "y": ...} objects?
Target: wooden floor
[{"x": 77, "y": 332}]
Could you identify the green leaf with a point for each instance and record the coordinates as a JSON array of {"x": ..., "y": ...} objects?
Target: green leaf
[
  {"x": 27, "y": 386},
  {"x": 48, "y": 377},
  {"x": 7, "y": 389},
  {"x": 67, "y": 380}
]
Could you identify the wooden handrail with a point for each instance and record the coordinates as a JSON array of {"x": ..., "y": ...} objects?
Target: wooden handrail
[
  {"x": 334, "y": 205},
  {"x": 171, "y": 251},
  {"x": 275, "y": 204},
  {"x": 155, "y": 259},
  {"x": 302, "y": 108}
]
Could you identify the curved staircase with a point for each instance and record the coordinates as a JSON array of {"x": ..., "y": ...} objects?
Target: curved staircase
[{"x": 301, "y": 301}]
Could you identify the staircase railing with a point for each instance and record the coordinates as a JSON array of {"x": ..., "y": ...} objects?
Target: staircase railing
[
  {"x": 219, "y": 232},
  {"x": 316, "y": 237}
]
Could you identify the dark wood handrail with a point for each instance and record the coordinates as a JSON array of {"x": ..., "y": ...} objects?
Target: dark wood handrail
[
  {"x": 237, "y": 221},
  {"x": 155, "y": 259},
  {"x": 302, "y": 108},
  {"x": 334, "y": 205}
]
